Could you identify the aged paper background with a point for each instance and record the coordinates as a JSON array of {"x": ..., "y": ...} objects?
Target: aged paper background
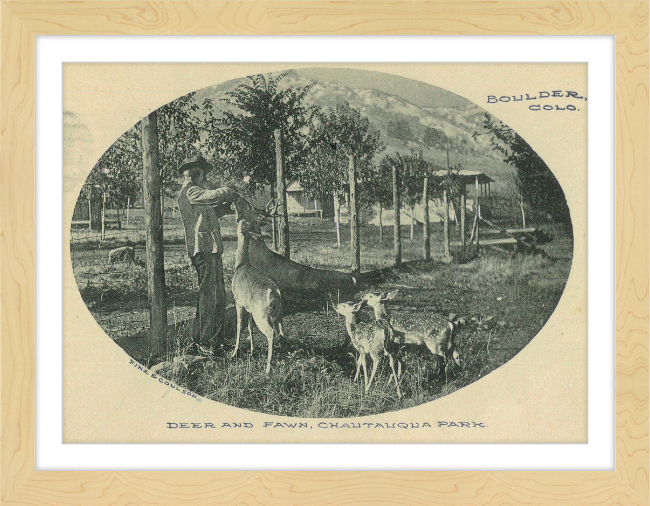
[{"x": 539, "y": 396}]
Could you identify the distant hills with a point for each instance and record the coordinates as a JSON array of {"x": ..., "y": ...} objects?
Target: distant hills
[{"x": 404, "y": 126}]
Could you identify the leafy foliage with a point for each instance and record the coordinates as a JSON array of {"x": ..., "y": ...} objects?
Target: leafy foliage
[
  {"x": 179, "y": 130},
  {"x": 536, "y": 183},
  {"x": 412, "y": 170},
  {"x": 377, "y": 185},
  {"x": 242, "y": 140},
  {"x": 400, "y": 130},
  {"x": 434, "y": 138},
  {"x": 118, "y": 173},
  {"x": 334, "y": 136}
]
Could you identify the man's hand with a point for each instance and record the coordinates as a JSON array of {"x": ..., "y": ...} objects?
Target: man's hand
[{"x": 243, "y": 186}]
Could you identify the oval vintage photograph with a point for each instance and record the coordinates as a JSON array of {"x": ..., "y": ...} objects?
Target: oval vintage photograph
[{"x": 321, "y": 242}]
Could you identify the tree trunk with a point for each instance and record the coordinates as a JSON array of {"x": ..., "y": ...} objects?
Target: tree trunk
[
  {"x": 103, "y": 236},
  {"x": 337, "y": 218},
  {"x": 162, "y": 197},
  {"x": 274, "y": 223},
  {"x": 90, "y": 214},
  {"x": 425, "y": 223},
  {"x": 282, "y": 196},
  {"x": 381, "y": 225},
  {"x": 354, "y": 218},
  {"x": 128, "y": 206},
  {"x": 523, "y": 212},
  {"x": 412, "y": 222},
  {"x": 154, "y": 231},
  {"x": 397, "y": 239},
  {"x": 463, "y": 205}
]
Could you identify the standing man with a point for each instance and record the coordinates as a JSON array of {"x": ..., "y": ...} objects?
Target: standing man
[{"x": 201, "y": 209}]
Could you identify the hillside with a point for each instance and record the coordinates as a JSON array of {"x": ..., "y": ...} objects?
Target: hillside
[{"x": 404, "y": 126}]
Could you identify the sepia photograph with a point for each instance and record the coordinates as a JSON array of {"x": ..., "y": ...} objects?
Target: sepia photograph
[{"x": 322, "y": 244}]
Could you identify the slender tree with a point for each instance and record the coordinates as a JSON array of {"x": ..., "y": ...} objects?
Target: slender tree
[
  {"x": 412, "y": 179},
  {"x": 377, "y": 189},
  {"x": 335, "y": 135}
]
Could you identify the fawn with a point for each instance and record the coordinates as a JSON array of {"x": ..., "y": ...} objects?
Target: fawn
[
  {"x": 368, "y": 338},
  {"x": 434, "y": 331},
  {"x": 255, "y": 294}
]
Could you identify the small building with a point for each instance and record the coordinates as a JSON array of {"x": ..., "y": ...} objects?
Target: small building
[
  {"x": 480, "y": 181},
  {"x": 300, "y": 203}
]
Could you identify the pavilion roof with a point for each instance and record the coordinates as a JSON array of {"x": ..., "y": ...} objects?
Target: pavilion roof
[{"x": 468, "y": 176}]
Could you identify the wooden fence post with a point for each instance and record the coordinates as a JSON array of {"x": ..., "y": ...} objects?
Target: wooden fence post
[
  {"x": 478, "y": 215},
  {"x": 425, "y": 222},
  {"x": 281, "y": 185},
  {"x": 151, "y": 183},
  {"x": 463, "y": 205},
  {"x": 446, "y": 221},
  {"x": 354, "y": 217},
  {"x": 397, "y": 204},
  {"x": 337, "y": 217}
]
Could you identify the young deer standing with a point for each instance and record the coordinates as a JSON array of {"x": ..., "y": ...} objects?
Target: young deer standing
[
  {"x": 255, "y": 294},
  {"x": 368, "y": 338},
  {"x": 434, "y": 331}
]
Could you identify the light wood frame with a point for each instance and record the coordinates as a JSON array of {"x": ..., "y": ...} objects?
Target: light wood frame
[{"x": 20, "y": 484}]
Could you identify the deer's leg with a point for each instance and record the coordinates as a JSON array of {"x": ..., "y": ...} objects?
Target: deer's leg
[
  {"x": 240, "y": 314},
  {"x": 375, "y": 363},
  {"x": 392, "y": 367},
  {"x": 269, "y": 338},
  {"x": 250, "y": 332},
  {"x": 390, "y": 376},
  {"x": 356, "y": 376},
  {"x": 362, "y": 357},
  {"x": 268, "y": 329}
]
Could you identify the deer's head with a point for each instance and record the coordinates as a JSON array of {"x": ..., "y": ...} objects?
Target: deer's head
[
  {"x": 256, "y": 218},
  {"x": 375, "y": 299},
  {"x": 349, "y": 309},
  {"x": 247, "y": 229}
]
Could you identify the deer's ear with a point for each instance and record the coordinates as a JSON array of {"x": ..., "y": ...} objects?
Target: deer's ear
[{"x": 389, "y": 295}]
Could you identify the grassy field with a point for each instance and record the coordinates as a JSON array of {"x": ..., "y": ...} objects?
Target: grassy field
[{"x": 503, "y": 301}]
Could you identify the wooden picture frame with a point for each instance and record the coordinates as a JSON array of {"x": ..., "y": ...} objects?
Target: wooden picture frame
[{"x": 21, "y": 484}]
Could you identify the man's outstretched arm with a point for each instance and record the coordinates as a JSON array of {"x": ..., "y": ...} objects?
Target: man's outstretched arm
[{"x": 216, "y": 197}]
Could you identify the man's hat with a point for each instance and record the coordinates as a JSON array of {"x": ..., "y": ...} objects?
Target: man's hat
[{"x": 195, "y": 161}]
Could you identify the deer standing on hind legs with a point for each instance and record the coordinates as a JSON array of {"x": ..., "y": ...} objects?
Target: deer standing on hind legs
[
  {"x": 256, "y": 295},
  {"x": 370, "y": 338},
  {"x": 434, "y": 331}
]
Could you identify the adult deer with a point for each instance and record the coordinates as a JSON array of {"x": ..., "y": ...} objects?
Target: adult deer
[
  {"x": 257, "y": 297},
  {"x": 371, "y": 338},
  {"x": 290, "y": 276},
  {"x": 434, "y": 331}
]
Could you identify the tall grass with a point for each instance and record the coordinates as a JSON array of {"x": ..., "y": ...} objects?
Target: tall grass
[{"x": 502, "y": 300}]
